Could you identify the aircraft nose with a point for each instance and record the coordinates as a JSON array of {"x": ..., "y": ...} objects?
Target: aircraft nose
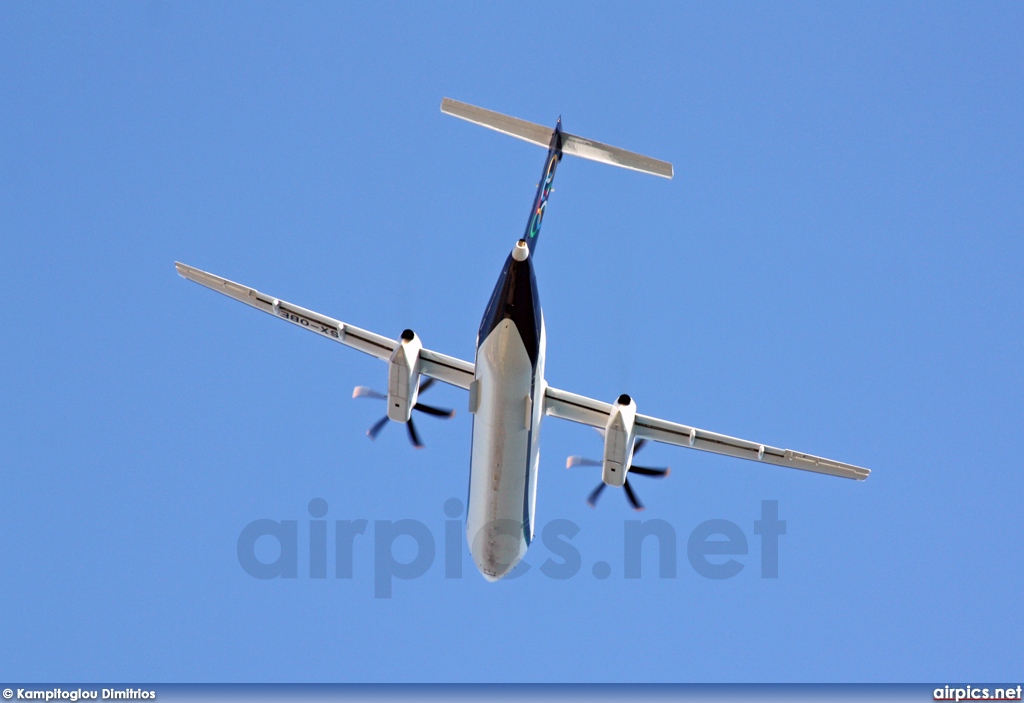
[
  {"x": 497, "y": 551},
  {"x": 495, "y": 569}
]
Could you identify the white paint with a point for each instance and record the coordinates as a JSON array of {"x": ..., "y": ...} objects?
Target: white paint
[{"x": 505, "y": 456}]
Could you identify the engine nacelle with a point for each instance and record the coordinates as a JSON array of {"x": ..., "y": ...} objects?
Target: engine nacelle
[
  {"x": 404, "y": 377},
  {"x": 619, "y": 438}
]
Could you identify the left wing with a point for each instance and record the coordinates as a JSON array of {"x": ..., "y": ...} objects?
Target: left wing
[
  {"x": 434, "y": 364},
  {"x": 595, "y": 413}
]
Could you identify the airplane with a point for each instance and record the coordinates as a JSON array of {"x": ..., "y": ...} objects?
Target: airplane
[{"x": 508, "y": 394}]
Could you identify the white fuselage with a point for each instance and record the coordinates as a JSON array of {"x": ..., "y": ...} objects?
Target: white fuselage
[
  {"x": 508, "y": 402},
  {"x": 507, "y": 399}
]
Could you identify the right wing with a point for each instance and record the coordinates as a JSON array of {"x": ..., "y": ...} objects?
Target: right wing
[
  {"x": 587, "y": 411},
  {"x": 440, "y": 366}
]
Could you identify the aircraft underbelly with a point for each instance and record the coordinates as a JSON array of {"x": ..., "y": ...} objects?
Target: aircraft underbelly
[{"x": 499, "y": 518}]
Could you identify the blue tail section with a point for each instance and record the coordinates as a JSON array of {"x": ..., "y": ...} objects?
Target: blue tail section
[
  {"x": 556, "y": 141},
  {"x": 540, "y": 201}
]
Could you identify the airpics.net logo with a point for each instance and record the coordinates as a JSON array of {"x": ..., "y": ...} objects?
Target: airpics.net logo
[
  {"x": 269, "y": 549},
  {"x": 977, "y": 693}
]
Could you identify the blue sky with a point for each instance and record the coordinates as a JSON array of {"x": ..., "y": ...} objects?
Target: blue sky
[{"x": 836, "y": 268}]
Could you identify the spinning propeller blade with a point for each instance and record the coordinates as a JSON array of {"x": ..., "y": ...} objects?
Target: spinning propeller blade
[
  {"x": 431, "y": 410},
  {"x": 648, "y": 471},
  {"x": 377, "y": 427},
  {"x": 414, "y": 437},
  {"x": 653, "y": 472},
  {"x": 637, "y": 505},
  {"x": 364, "y": 392}
]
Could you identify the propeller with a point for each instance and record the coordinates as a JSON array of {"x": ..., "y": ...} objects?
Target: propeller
[
  {"x": 653, "y": 472},
  {"x": 364, "y": 392}
]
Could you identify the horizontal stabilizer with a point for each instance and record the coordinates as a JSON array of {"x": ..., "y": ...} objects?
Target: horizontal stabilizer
[
  {"x": 541, "y": 136},
  {"x": 512, "y": 126},
  {"x": 606, "y": 154}
]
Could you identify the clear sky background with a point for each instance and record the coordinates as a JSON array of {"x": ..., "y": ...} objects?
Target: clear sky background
[{"x": 836, "y": 268}]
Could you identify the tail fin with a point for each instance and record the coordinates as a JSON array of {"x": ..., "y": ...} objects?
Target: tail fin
[{"x": 541, "y": 136}]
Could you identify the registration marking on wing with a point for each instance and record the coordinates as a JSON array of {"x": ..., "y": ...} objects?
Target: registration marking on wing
[{"x": 322, "y": 327}]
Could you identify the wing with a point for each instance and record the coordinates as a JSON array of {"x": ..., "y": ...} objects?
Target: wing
[
  {"x": 440, "y": 366},
  {"x": 587, "y": 411}
]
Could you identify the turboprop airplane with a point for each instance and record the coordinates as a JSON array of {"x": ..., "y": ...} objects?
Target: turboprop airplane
[{"x": 508, "y": 395}]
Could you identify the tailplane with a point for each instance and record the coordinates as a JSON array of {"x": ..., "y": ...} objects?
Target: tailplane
[{"x": 542, "y": 136}]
